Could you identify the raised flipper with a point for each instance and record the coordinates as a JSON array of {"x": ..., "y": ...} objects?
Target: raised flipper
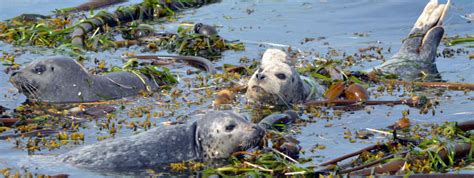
[{"x": 416, "y": 57}]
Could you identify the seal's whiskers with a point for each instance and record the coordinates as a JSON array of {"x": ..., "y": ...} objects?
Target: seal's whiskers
[{"x": 31, "y": 89}]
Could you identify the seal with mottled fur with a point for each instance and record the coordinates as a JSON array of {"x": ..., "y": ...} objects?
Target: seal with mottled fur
[
  {"x": 214, "y": 136},
  {"x": 276, "y": 82},
  {"x": 63, "y": 80}
]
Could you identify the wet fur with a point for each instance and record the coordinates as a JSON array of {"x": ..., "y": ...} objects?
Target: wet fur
[
  {"x": 203, "y": 140},
  {"x": 418, "y": 52},
  {"x": 65, "y": 80},
  {"x": 272, "y": 90},
  {"x": 416, "y": 56}
]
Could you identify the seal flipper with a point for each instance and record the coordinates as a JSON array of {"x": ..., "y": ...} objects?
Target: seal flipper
[
  {"x": 430, "y": 43},
  {"x": 431, "y": 17},
  {"x": 417, "y": 53}
]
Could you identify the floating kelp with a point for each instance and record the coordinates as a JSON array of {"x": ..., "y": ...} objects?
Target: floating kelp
[
  {"x": 415, "y": 150},
  {"x": 58, "y": 29},
  {"x": 437, "y": 148},
  {"x": 149, "y": 9},
  {"x": 158, "y": 74},
  {"x": 188, "y": 43},
  {"x": 92, "y": 4},
  {"x": 268, "y": 163},
  {"x": 45, "y": 31},
  {"x": 459, "y": 40}
]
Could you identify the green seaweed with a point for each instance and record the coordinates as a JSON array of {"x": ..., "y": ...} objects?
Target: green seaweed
[{"x": 461, "y": 40}]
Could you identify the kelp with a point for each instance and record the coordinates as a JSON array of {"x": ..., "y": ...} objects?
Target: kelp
[
  {"x": 460, "y": 40},
  {"x": 58, "y": 29},
  {"x": 267, "y": 163},
  {"x": 45, "y": 31},
  {"x": 96, "y": 33},
  {"x": 435, "y": 148},
  {"x": 186, "y": 42},
  {"x": 147, "y": 10},
  {"x": 159, "y": 74}
]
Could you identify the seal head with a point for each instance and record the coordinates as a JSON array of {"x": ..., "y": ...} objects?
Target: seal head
[
  {"x": 221, "y": 133},
  {"x": 276, "y": 82},
  {"x": 44, "y": 78},
  {"x": 204, "y": 29},
  {"x": 62, "y": 80}
]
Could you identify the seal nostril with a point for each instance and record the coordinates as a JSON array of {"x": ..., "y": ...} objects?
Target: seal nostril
[
  {"x": 14, "y": 73},
  {"x": 260, "y": 76}
]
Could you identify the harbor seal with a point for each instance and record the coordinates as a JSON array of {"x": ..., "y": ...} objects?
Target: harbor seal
[
  {"x": 204, "y": 29},
  {"x": 416, "y": 57},
  {"x": 64, "y": 80},
  {"x": 216, "y": 135},
  {"x": 276, "y": 82}
]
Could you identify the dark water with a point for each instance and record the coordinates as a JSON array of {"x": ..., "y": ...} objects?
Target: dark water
[{"x": 282, "y": 23}]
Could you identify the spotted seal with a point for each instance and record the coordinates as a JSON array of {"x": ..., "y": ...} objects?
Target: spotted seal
[
  {"x": 276, "y": 82},
  {"x": 216, "y": 135},
  {"x": 64, "y": 80}
]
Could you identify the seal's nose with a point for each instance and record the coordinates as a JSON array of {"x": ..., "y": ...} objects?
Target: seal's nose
[{"x": 260, "y": 76}]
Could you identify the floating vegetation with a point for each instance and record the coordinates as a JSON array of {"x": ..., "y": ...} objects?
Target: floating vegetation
[
  {"x": 186, "y": 42},
  {"x": 460, "y": 40},
  {"x": 269, "y": 163},
  {"x": 37, "y": 30},
  {"x": 160, "y": 75},
  {"x": 94, "y": 33},
  {"x": 418, "y": 149}
]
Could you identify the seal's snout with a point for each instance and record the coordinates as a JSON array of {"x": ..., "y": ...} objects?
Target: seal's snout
[{"x": 258, "y": 89}]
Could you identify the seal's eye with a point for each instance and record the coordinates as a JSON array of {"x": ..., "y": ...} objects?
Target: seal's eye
[
  {"x": 281, "y": 76},
  {"x": 229, "y": 127},
  {"x": 197, "y": 27},
  {"x": 39, "y": 69}
]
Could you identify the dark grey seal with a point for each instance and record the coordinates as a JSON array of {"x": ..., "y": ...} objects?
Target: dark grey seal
[
  {"x": 214, "y": 136},
  {"x": 63, "y": 80},
  {"x": 204, "y": 29},
  {"x": 416, "y": 57}
]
